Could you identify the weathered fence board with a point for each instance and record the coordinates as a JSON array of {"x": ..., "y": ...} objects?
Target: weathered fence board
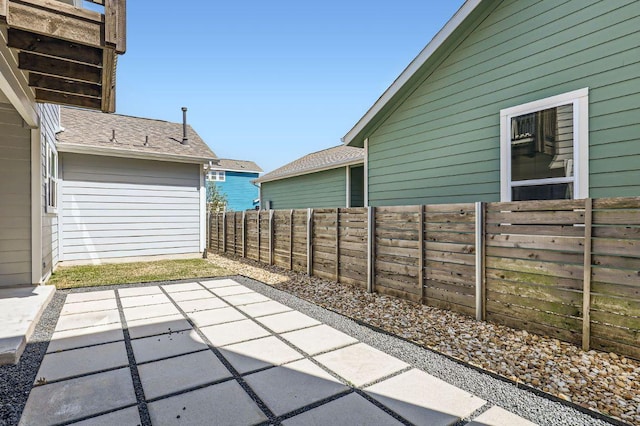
[{"x": 536, "y": 259}]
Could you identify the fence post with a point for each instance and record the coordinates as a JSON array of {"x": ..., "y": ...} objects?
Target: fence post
[
  {"x": 291, "y": 240},
  {"x": 244, "y": 234},
  {"x": 208, "y": 243},
  {"x": 586, "y": 291},
  {"x": 480, "y": 290},
  {"x": 224, "y": 232},
  {"x": 218, "y": 232},
  {"x": 271, "y": 214},
  {"x": 337, "y": 271},
  {"x": 421, "y": 259},
  {"x": 310, "y": 242},
  {"x": 371, "y": 245},
  {"x": 259, "y": 236}
]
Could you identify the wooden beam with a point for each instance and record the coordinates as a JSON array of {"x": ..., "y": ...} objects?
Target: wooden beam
[
  {"x": 3, "y": 11},
  {"x": 59, "y": 98},
  {"x": 57, "y": 19},
  {"x": 58, "y": 67},
  {"x": 121, "y": 31},
  {"x": 586, "y": 290},
  {"x": 110, "y": 23},
  {"x": 109, "y": 80},
  {"x": 70, "y": 87},
  {"x": 50, "y": 46}
]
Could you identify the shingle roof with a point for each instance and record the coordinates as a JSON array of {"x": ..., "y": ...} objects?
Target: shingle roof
[
  {"x": 93, "y": 130},
  {"x": 322, "y": 160},
  {"x": 236, "y": 165}
]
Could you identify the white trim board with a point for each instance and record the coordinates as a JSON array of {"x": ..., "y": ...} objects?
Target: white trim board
[{"x": 111, "y": 152}]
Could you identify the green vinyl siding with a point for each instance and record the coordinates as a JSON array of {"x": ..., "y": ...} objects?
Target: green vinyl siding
[
  {"x": 314, "y": 190},
  {"x": 441, "y": 143}
]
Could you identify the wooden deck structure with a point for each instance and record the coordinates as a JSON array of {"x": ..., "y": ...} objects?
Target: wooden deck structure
[{"x": 67, "y": 55}]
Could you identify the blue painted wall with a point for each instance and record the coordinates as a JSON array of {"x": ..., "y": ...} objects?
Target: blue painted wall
[{"x": 238, "y": 189}]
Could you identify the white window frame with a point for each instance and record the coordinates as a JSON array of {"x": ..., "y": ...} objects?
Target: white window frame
[
  {"x": 52, "y": 177},
  {"x": 220, "y": 176},
  {"x": 580, "y": 101}
]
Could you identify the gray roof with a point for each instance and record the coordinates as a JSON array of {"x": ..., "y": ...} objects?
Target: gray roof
[
  {"x": 236, "y": 165},
  {"x": 322, "y": 160},
  {"x": 92, "y": 131}
]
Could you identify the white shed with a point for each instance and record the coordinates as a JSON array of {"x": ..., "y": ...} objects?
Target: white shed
[{"x": 129, "y": 187}]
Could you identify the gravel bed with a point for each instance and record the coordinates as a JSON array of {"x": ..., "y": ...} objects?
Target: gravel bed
[{"x": 600, "y": 382}]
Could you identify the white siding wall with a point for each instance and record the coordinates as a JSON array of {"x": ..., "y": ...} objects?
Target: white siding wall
[
  {"x": 50, "y": 124},
  {"x": 15, "y": 198},
  {"x": 116, "y": 207}
]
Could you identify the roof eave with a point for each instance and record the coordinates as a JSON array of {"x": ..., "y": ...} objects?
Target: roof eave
[
  {"x": 309, "y": 171},
  {"x": 423, "y": 57},
  {"x": 123, "y": 153}
]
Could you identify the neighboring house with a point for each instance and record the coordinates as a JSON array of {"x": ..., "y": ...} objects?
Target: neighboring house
[
  {"x": 512, "y": 100},
  {"x": 129, "y": 187},
  {"x": 332, "y": 177},
  {"x": 233, "y": 179},
  {"x": 39, "y": 62}
]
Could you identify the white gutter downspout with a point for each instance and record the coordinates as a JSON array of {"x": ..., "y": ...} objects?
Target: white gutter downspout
[
  {"x": 36, "y": 207},
  {"x": 366, "y": 172}
]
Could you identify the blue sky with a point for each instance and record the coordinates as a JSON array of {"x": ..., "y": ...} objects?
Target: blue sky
[{"x": 269, "y": 81}]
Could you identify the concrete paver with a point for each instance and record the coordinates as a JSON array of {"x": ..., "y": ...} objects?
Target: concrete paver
[
  {"x": 139, "y": 291},
  {"x": 234, "y": 332},
  {"x": 246, "y": 298},
  {"x": 226, "y": 282},
  {"x": 232, "y": 407},
  {"x": 215, "y": 316},
  {"x": 90, "y": 296},
  {"x": 264, "y": 308},
  {"x": 176, "y": 374},
  {"x": 231, "y": 290},
  {"x": 127, "y": 417},
  {"x": 350, "y": 410},
  {"x": 150, "y": 299},
  {"x": 259, "y": 353},
  {"x": 89, "y": 319},
  {"x": 287, "y": 321},
  {"x": 77, "y": 398},
  {"x": 140, "y": 312},
  {"x": 191, "y": 295},
  {"x": 424, "y": 399},
  {"x": 294, "y": 385},
  {"x": 89, "y": 306},
  {"x": 166, "y": 345},
  {"x": 497, "y": 416},
  {"x": 77, "y": 338},
  {"x": 176, "y": 288},
  {"x": 318, "y": 339},
  {"x": 202, "y": 304},
  {"x": 76, "y": 362},
  {"x": 157, "y": 325},
  {"x": 361, "y": 364},
  {"x": 185, "y": 381}
]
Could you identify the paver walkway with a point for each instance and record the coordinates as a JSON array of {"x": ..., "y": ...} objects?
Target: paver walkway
[{"x": 216, "y": 352}]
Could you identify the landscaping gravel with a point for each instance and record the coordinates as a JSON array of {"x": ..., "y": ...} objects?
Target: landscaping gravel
[{"x": 601, "y": 382}]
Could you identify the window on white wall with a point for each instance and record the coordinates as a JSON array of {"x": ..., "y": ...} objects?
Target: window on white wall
[
  {"x": 51, "y": 178},
  {"x": 216, "y": 176},
  {"x": 545, "y": 149}
]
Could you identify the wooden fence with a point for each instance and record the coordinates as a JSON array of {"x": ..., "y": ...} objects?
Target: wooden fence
[{"x": 567, "y": 269}]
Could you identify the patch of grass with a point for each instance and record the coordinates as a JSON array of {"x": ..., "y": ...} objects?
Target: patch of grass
[{"x": 131, "y": 273}]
